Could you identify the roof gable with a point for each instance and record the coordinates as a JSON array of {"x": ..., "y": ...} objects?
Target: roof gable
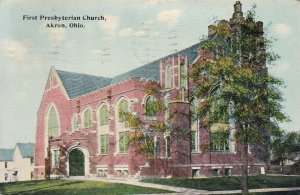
[
  {"x": 26, "y": 149},
  {"x": 6, "y": 154},
  {"x": 77, "y": 84}
]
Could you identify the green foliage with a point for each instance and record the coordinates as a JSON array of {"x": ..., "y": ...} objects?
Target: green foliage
[
  {"x": 282, "y": 145},
  {"x": 238, "y": 75},
  {"x": 230, "y": 183},
  {"x": 50, "y": 187}
]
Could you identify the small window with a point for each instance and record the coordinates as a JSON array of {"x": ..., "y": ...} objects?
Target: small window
[
  {"x": 31, "y": 175},
  {"x": 55, "y": 158},
  {"x": 123, "y": 141},
  {"x": 5, "y": 165},
  {"x": 31, "y": 161},
  {"x": 168, "y": 78},
  {"x": 6, "y": 176},
  {"x": 74, "y": 123},
  {"x": 87, "y": 118},
  {"x": 102, "y": 173},
  {"x": 151, "y": 107},
  {"x": 103, "y": 144},
  {"x": 227, "y": 172},
  {"x": 168, "y": 147},
  {"x": 216, "y": 172},
  {"x": 104, "y": 115},
  {"x": 195, "y": 173},
  {"x": 123, "y": 109}
]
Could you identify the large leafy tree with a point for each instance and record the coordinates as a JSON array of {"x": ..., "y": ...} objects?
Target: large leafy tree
[{"x": 232, "y": 80}]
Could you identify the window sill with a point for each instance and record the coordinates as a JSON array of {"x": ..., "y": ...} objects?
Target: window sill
[
  {"x": 102, "y": 154},
  {"x": 221, "y": 152},
  {"x": 196, "y": 152}
]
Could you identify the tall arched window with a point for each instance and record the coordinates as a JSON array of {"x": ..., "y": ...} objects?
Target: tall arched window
[
  {"x": 168, "y": 78},
  {"x": 182, "y": 75},
  {"x": 122, "y": 108},
  {"x": 151, "y": 107},
  {"x": 123, "y": 132},
  {"x": 87, "y": 118},
  {"x": 194, "y": 126},
  {"x": 53, "y": 123},
  {"x": 103, "y": 115}
]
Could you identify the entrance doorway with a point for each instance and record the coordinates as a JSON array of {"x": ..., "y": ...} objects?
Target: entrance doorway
[{"x": 76, "y": 163}]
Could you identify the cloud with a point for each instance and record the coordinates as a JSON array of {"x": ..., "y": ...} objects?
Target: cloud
[
  {"x": 21, "y": 96},
  {"x": 283, "y": 29},
  {"x": 154, "y": 2},
  {"x": 110, "y": 24},
  {"x": 169, "y": 17},
  {"x": 18, "y": 56},
  {"x": 140, "y": 33},
  {"x": 126, "y": 32},
  {"x": 14, "y": 50},
  {"x": 129, "y": 32}
]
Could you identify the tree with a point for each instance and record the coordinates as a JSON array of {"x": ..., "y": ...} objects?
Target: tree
[
  {"x": 283, "y": 145},
  {"x": 156, "y": 127},
  {"x": 233, "y": 83}
]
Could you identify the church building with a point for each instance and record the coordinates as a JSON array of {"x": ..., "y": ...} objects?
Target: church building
[{"x": 80, "y": 131}]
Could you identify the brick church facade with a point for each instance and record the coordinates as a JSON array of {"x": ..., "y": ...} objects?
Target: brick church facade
[{"x": 80, "y": 130}]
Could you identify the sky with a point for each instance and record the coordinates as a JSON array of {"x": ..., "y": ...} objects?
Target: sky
[{"x": 135, "y": 32}]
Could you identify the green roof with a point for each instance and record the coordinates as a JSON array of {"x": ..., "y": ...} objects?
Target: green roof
[
  {"x": 6, "y": 154},
  {"x": 26, "y": 149}
]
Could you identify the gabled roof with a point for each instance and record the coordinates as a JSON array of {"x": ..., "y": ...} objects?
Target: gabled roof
[
  {"x": 26, "y": 149},
  {"x": 151, "y": 70},
  {"x": 6, "y": 154},
  {"x": 77, "y": 84}
]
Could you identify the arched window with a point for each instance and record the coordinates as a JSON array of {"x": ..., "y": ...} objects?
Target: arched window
[
  {"x": 182, "y": 75},
  {"x": 53, "y": 123},
  {"x": 103, "y": 115},
  {"x": 74, "y": 123},
  {"x": 151, "y": 107},
  {"x": 194, "y": 126},
  {"x": 87, "y": 118},
  {"x": 122, "y": 109},
  {"x": 168, "y": 78}
]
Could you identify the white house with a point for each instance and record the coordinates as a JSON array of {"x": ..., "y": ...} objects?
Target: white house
[
  {"x": 6, "y": 164},
  {"x": 17, "y": 164}
]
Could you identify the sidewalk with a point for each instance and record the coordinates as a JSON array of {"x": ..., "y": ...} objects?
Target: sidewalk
[{"x": 178, "y": 190}]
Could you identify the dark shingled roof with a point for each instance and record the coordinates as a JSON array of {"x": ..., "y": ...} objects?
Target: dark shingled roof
[
  {"x": 77, "y": 84},
  {"x": 26, "y": 149},
  {"x": 6, "y": 154},
  {"x": 151, "y": 70}
]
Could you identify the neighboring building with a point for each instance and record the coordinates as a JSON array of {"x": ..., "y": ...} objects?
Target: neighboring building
[
  {"x": 17, "y": 164},
  {"x": 6, "y": 164},
  {"x": 80, "y": 130}
]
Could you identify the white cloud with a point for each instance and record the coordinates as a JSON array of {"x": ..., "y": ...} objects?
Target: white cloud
[
  {"x": 110, "y": 24},
  {"x": 14, "y": 50},
  {"x": 139, "y": 33},
  {"x": 21, "y": 96},
  {"x": 283, "y": 29},
  {"x": 126, "y": 32},
  {"x": 56, "y": 34},
  {"x": 169, "y": 17}
]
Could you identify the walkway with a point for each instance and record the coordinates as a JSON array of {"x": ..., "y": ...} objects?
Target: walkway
[{"x": 177, "y": 190}]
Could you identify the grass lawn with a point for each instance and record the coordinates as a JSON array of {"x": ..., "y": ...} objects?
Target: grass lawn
[
  {"x": 55, "y": 187},
  {"x": 230, "y": 183}
]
